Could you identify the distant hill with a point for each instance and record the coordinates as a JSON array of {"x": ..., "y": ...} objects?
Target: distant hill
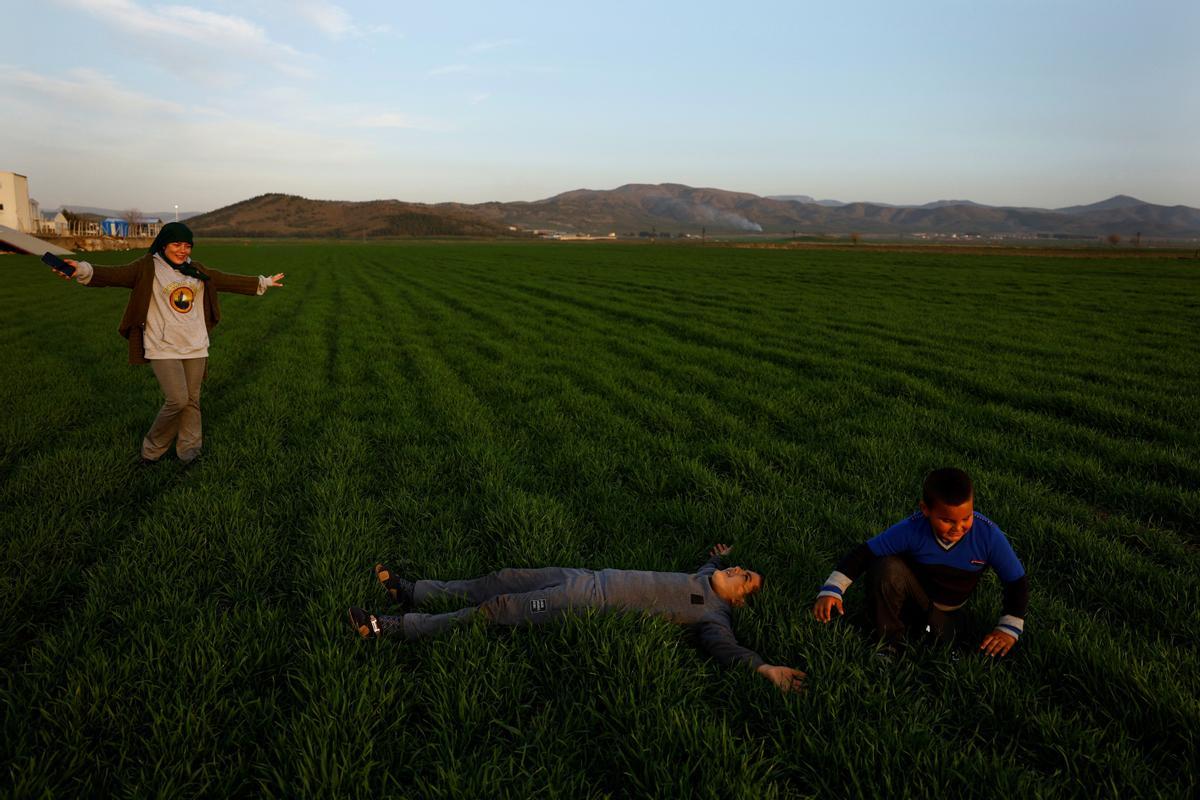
[
  {"x": 1115, "y": 202},
  {"x": 944, "y": 203},
  {"x": 674, "y": 208},
  {"x": 794, "y": 198},
  {"x": 165, "y": 216},
  {"x": 636, "y": 207},
  {"x": 804, "y": 198},
  {"x": 288, "y": 215}
]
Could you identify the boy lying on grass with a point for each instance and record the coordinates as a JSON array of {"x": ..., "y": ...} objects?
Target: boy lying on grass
[
  {"x": 922, "y": 570},
  {"x": 703, "y": 602}
]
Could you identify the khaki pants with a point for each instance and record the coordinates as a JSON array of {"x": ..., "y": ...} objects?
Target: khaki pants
[{"x": 180, "y": 380}]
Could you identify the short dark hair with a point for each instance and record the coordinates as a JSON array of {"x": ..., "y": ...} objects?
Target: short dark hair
[{"x": 948, "y": 485}]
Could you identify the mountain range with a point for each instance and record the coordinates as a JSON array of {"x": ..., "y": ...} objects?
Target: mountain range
[
  {"x": 673, "y": 208},
  {"x": 165, "y": 216}
]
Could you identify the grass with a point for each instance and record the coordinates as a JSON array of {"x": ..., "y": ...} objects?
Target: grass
[{"x": 454, "y": 408}]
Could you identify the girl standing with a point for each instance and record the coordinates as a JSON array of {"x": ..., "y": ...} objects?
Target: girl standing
[{"x": 172, "y": 308}]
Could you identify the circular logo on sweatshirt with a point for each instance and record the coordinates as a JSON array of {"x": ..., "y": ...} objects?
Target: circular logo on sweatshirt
[{"x": 182, "y": 299}]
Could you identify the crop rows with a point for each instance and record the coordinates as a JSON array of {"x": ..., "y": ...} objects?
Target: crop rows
[{"x": 455, "y": 408}]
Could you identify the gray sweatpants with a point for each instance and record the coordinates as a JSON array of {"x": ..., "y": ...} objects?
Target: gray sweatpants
[
  {"x": 505, "y": 597},
  {"x": 180, "y": 380}
]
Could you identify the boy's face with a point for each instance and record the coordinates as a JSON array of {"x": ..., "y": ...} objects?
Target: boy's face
[
  {"x": 735, "y": 584},
  {"x": 950, "y": 523}
]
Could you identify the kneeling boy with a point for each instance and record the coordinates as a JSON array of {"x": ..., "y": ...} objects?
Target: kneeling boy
[{"x": 924, "y": 568}]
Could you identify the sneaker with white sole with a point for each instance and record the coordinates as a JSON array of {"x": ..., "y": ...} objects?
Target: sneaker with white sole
[
  {"x": 399, "y": 590},
  {"x": 364, "y": 624}
]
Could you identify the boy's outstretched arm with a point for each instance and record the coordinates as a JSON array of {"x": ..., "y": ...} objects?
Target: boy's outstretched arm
[
  {"x": 1012, "y": 618},
  {"x": 717, "y": 639},
  {"x": 714, "y": 559},
  {"x": 829, "y": 599},
  {"x": 787, "y": 679},
  {"x": 1015, "y": 603}
]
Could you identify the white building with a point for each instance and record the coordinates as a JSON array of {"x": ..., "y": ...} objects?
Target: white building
[
  {"x": 14, "y": 202},
  {"x": 146, "y": 226},
  {"x": 56, "y": 224}
]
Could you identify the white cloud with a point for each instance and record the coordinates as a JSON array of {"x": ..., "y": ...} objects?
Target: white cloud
[
  {"x": 231, "y": 141},
  {"x": 332, "y": 19},
  {"x": 92, "y": 139},
  {"x": 299, "y": 108},
  {"x": 386, "y": 121},
  {"x": 86, "y": 111},
  {"x": 357, "y": 117},
  {"x": 483, "y": 47},
  {"x": 87, "y": 89},
  {"x": 165, "y": 28},
  {"x": 479, "y": 98},
  {"x": 449, "y": 69}
]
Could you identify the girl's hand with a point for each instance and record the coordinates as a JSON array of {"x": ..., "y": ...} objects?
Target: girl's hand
[
  {"x": 67, "y": 277},
  {"x": 275, "y": 280}
]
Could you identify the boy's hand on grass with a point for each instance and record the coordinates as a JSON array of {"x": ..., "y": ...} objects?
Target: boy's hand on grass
[
  {"x": 275, "y": 280},
  {"x": 997, "y": 643},
  {"x": 720, "y": 550},
  {"x": 825, "y": 606},
  {"x": 786, "y": 678}
]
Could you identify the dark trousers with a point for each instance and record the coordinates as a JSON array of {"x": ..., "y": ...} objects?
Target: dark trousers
[
  {"x": 505, "y": 597},
  {"x": 897, "y": 601}
]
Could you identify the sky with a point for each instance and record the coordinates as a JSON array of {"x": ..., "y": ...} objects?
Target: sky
[{"x": 144, "y": 104}]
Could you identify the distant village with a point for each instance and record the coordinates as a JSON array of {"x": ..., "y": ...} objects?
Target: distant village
[{"x": 21, "y": 213}]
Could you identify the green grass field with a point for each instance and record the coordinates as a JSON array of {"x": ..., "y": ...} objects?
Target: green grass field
[{"x": 454, "y": 408}]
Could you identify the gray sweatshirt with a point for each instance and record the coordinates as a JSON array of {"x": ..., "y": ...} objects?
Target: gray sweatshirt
[
  {"x": 175, "y": 326},
  {"x": 683, "y": 599}
]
